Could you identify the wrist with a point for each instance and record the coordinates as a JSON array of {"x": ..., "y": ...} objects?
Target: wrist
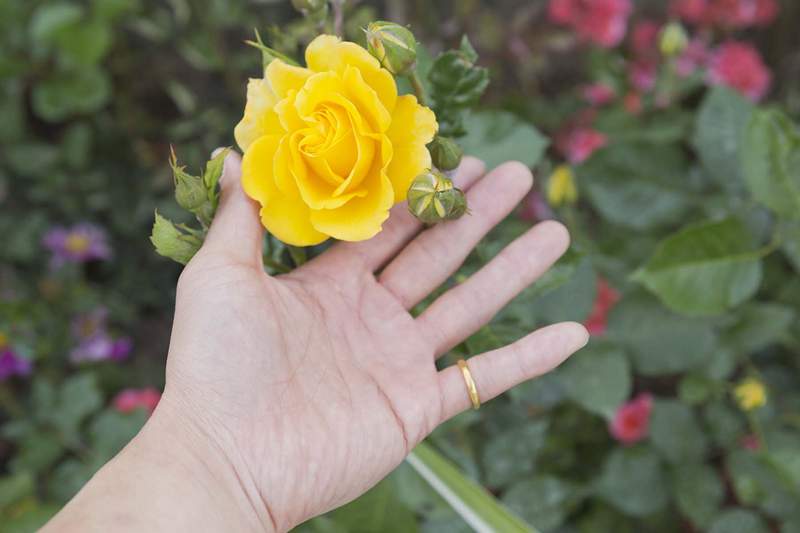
[{"x": 185, "y": 459}]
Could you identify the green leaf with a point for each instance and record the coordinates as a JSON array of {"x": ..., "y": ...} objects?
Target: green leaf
[
  {"x": 704, "y": 269},
  {"x": 758, "y": 325},
  {"x": 471, "y": 501},
  {"x": 633, "y": 481},
  {"x": 660, "y": 341},
  {"x": 173, "y": 243},
  {"x": 542, "y": 500},
  {"x": 676, "y": 433},
  {"x": 725, "y": 425},
  {"x": 699, "y": 493},
  {"x": 719, "y": 135},
  {"x": 739, "y": 521},
  {"x": 78, "y": 397},
  {"x": 764, "y": 481},
  {"x": 456, "y": 84},
  {"x": 500, "y": 136},
  {"x": 51, "y": 18},
  {"x": 377, "y": 510},
  {"x": 84, "y": 44},
  {"x": 61, "y": 96},
  {"x": 16, "y": 487},
  {"x": 771, "y": 162},
  {"x": 511, "y": 454},
  {"x": 598, "y": 379},
  {"x": 110, "y": 431}
]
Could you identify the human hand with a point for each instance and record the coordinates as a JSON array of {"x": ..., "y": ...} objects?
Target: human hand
[{"x": 297, "y": 393}]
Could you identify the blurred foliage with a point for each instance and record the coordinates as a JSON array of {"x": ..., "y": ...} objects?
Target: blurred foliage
[{"x": 689, "y": 212}]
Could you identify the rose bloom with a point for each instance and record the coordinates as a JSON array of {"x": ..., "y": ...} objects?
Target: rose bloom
[
  {"x": 579, "y": 143},
  {"x": 631, "y": 422},
  {"x": 739, "y": 66},
  {"x": 129, "y": 400},
  {"x": 603, "y": 22},
  {"x": 599, "y": 94},
  {"x": 328, "y": 149}
]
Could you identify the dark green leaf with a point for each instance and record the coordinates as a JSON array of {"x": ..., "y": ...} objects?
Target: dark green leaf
[
  {"x": 598, "y": 379},
  {"x": 704, "y": 269},
  {"x": 511, "y": 454},
  {"x": 739, "y": 521},
  {"x": 633, "y": 481},
  {"x": 699, "y": 492},
  {"x": 499, "y": 136},
  {"x": 676, "y": 433},
  {"x": 542, "y": 500}
]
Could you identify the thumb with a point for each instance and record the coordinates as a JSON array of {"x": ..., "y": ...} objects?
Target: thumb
[{"x": 236, "y": 231}]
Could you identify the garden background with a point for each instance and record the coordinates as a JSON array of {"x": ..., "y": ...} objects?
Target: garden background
[{"x": 672, "y": 155}]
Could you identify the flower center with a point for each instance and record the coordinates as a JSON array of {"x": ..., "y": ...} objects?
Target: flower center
[{"x": 77, "y": 243}]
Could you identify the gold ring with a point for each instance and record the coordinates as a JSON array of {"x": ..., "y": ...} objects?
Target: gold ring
[{"x": 472, "y": 389}]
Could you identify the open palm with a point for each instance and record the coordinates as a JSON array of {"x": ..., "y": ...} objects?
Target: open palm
[{"x": 317, "y": 383}]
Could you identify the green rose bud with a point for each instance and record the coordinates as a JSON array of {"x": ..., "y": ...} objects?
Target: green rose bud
[
  {"x": 393, "y": 45},
  {"x": 673, "y": 40},
  {"x": 432, "y": 198},
  {"x": 190, "y": 192},
  {"x": 309, "y": 6},
  {"x": 178, "y": 243},
  {"x": 445, "y": 153}
]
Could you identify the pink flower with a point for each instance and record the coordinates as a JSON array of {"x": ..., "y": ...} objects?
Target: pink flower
[
  {"x": 604, "y": 301},
  {"x": 631, "y": 422},
  {"x": 599, "y": 94},
  {"x": 131, "y": 399},
  {"x": 602, "y": 22},
  {"x": 12, "y": 364},
  {"x": 739, "y": 66},
  {"x": 578, "y": 144},
  {"x": 733, "y": 14},
  {"x": 695, "y": 57},
  {"x": 79, "y": 244},
  {"x": 633, "y": 102},
  {"x": 642, "y": 75},
  {"x": 644, "y": 39},
  {"x": 750, "y": 442}
]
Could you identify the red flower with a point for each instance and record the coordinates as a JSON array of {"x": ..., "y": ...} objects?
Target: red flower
[
  {"x": 130, "y": 399},
  {"x": 739, "y": 66},
  {"x": 604, "y": 301},
  {"x": 631, "y": 422},
  {"x": 735, "y": 14},
  {"x": 602, "y": 22},
  {"x": 633, "y": 102},
  {"x": 579, "y": 143},
  {"x": 599, "y": 94}
]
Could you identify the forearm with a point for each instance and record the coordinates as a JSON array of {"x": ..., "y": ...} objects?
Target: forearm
[{"x": 164, "y": 480}]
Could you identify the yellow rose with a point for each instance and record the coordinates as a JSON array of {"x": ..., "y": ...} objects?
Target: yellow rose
[{"x": 328, "y": 149}]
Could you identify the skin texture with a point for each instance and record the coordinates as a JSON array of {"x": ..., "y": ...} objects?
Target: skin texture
[{"x": 288, "y": 396}]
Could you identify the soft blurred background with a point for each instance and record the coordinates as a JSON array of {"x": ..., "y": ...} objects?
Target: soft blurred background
[{"x": 672, "y": 157}]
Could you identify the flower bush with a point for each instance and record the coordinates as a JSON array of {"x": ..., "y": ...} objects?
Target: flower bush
[{"x": 661, "y": 133}]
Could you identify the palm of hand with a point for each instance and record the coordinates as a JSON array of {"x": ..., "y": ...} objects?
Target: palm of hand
[{"x": 324, "y": 370}]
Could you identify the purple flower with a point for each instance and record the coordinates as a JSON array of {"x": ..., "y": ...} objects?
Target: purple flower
[
  {"x": 12, "y": 364},
  {"x": 81, "y": 243},
  {"x": 95, "y": 343}
]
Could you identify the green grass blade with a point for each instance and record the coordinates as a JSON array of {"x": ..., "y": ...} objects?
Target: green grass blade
[{"x": 472, "y": 502}]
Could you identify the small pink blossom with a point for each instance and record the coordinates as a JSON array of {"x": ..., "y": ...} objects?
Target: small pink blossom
[
  {"x": 732, "y": 14},
  {"x": 603, "y": 22},
  {"x": 750, "y": 442},
  {"x": 633, "y": 102},
  {"x": 739, "y": 65},
  {"x": 631, "y": 422},
  {"x": 644, "y": 39},
  {"x": 80, "y": 243},
  {"x": 578, "y": 144},
  {"x": 604, "y": 301},
  {"x": 535, "y": 208},
  {"x": 642, "y": 75},
  {"x": 129, "y": 400},
  {"x": 599, "y": 94},
  {"x": 12, "y": 364},
  {"x": 695, "y": 57}
]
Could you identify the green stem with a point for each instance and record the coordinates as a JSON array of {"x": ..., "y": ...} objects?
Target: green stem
[{"x": 419, "y": 89}]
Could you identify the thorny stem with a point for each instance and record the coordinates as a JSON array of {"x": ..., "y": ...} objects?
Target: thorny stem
[{"x": 338, "y": 17}]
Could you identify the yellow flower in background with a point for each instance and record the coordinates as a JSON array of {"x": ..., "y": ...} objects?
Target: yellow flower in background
[
  {"x": 750, "y": 394},
  {"x": 328, "y": 149},
  {"x": 561, "y": 187}
]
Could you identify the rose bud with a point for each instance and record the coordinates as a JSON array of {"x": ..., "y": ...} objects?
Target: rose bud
[
  {"x": 445, "y": 153},
  {"x": 190, "y": 192},
  {"x": 432, "y": 198},
  {"x": 673, "y": 40},
  {"x": 392, "y": 45}
]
